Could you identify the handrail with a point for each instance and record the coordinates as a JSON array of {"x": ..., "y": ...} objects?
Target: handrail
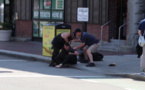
[
  {"x": 119, "y": 36},
  {"x": 102, "y": 30}
]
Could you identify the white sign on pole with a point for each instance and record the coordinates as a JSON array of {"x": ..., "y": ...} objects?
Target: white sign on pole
[{"x": 83, "y": 14}]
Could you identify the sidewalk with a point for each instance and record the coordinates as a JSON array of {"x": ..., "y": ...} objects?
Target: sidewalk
[{"x": 127, "y": 64}]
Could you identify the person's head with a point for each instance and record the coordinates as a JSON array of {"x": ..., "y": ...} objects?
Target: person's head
[
  {"x": 66, "y": 46},
  {"x": 78, "y": 32}
]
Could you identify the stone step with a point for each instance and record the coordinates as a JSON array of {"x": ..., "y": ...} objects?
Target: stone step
[
  {"x": 113, "y": 45},
  {"x": 105, "y": 48},
  {"x": 114, "y": 42}
]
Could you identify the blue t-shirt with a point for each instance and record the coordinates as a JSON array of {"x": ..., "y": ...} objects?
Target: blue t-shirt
[
  {"x": 142, "y": 26},
  {"x": 88, "y": 39}
]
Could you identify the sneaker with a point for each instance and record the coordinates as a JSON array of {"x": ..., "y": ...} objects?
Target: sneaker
[
  {"x": 90, "y": 65},
  {"x": 58, "y": 66},
  {"x": 52, "y": 64}
]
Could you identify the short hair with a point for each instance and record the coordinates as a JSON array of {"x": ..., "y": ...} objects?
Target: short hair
[
  {"x": 78, "y": 30},
  {"x": 66, "y": 44}
]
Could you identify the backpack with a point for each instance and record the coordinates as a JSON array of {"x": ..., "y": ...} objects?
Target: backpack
[{"x": 97, "y": 56}]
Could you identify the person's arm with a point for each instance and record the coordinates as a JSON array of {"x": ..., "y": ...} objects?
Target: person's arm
[
  {"x": 75, "y": 53},
  {"x": 139, "y": 32},
  {"x": 80, "y": 46}
]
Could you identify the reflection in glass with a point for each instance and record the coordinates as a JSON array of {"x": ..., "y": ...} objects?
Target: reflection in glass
[
  {"x": 35, "y": 14},
  {"x": 7, "y": 1},
  {"x": 35, "y": 28},
  {"x": 42, "y": 23}
]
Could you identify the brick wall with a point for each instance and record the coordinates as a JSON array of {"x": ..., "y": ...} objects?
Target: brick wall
[
  {"x": 94, "y": 29},
  {"x": 24, "y": 29}
]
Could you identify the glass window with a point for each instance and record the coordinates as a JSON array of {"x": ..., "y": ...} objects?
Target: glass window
[
  {"x": 57, "y": 15},
  {"x": 47, "y": 4},
  {"x": 36, "y": 4},
  {"x": 42, "y": 23},
  {"x": 46, "y": 12},
  {"x": 1, "y": 10},
  {"x": 7, "y": 1},
  {"x": 41, "y": 4},
  {"x": 36, "y": 14},
  {"x": 35, "y": 29},
  {"x": 57, "y": 4}
]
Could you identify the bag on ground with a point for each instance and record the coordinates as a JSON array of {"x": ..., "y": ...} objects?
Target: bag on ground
[{"x": 97, "y": 56}]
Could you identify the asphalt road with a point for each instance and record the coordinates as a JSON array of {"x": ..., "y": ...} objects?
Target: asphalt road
[{"x": 19, "y": 74}]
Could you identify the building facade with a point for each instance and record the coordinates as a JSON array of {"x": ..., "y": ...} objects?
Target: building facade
[{"x": 105, "y": 17}]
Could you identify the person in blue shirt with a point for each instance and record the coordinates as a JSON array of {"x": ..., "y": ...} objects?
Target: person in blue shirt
[
  {"x": 141, "y": 31},
  {"x": 141, "y": 27},
  {"x": 89, "y": 43}
]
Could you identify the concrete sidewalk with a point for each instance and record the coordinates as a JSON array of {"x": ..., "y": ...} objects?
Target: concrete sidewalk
[{"x": 126, "y": 65}]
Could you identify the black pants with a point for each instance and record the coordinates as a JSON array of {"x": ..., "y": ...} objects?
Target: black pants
[
  {"x": 139, "y": 50},
  {"x": 54, "y": 54},
  {"x": 70, "y": 59},
  {"x": 66, "y": 59}
]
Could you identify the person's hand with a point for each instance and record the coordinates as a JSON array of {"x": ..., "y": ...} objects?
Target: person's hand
[
  {"x": 72, "y": 41},
  {"x": 75, "y": 48}
]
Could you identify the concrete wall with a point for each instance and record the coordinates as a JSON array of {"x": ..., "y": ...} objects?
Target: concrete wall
[{"x": 135, "y": 14}]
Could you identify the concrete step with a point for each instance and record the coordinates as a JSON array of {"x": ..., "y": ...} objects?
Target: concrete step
[
  {"x": 114, "y": 42},
  {"x": 108, "y": 48},
  {"x": 113, "y": 45}
]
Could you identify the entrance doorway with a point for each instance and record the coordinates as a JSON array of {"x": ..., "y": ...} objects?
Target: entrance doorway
[{"x": 121, "y": 17}]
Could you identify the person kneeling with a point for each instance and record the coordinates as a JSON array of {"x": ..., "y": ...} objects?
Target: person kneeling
[{"x": 66, "y": 56}]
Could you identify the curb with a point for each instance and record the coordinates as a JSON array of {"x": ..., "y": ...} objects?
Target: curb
[
  {"x": 136, "y": 76},
  {"x": 26, "y": 56}
]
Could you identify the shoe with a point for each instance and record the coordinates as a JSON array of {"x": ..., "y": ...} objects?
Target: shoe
[
  {"x": 52, "y": 64},
  {"x": 58, "y": 66},
  {"x": 91, "y": 65}
]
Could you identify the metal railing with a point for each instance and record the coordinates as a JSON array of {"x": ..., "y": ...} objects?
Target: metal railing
[
  {"x": 102, "y": 30},
  {"x": 119, "y": 36}
]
